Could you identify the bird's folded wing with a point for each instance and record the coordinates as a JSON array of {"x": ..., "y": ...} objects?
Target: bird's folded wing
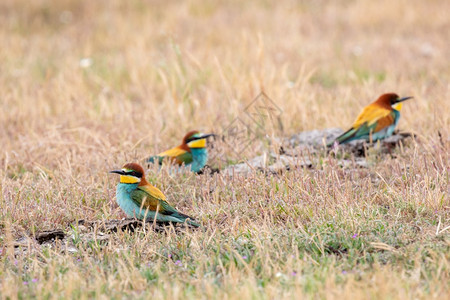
[
  {"x": 152, "y": 191},
  {"x": 379, "y": 124},
  {"x": 151, "y": 198},
  {"x": 177, "y": 154},
  {"x": 167, "y": 209},
  {"x": 174, "y": 152},
  {"x": 370, "y": 115},
  {"x": 144, "y": 200}
]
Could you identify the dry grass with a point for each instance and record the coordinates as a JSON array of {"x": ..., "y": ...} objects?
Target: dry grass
[{"x": 160, "y": 68}]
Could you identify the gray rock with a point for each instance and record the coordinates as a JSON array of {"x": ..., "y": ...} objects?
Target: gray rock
[
  {"x": 285, "y": 162},
  {"x": 272, "y": 163},
  {"x": 256, "y": 163},
  {"x": 315, "y": 138},
  {"x": 298, "y": 151}
]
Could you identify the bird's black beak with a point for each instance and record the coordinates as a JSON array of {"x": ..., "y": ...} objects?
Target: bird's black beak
[
  {"x": 202, "y": 137},
  {"x": 403, "y": 99},
  {"x": 120, "y": 172},
  {"x": 207, "y": 135}
]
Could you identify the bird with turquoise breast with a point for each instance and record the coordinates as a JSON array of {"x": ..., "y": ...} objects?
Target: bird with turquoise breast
[
  {"x": 139, "y": 199},
  {"x": 192, "y": 152},
  {"x": 377, "y": 120}
]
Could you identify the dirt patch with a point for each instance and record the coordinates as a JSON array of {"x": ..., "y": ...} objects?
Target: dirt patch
[{"x": 87, "y": 232}]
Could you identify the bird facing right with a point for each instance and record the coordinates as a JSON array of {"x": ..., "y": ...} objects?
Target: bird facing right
[
  {"x": 377, "y": 120},
  {"x": 192, "y": 152}
]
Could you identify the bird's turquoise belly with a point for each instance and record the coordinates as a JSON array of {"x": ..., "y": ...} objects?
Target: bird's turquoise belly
[
  {"x": 389, "y": 130},
  {"x": 199, "y": 159},
  {"x": 125, "y": 202},
  {"x": 382, "y": 134}
]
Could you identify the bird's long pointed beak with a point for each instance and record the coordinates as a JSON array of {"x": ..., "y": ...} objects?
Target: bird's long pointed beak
[
  {"x": 403, "y": 99},
  {"x": 207, "y": 135},
  {"x": 204, "y": 136},
  {"x": 120, "y": 172}
]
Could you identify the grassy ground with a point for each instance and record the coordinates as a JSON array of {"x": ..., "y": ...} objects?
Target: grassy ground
[{"x": 86, "y": 86}]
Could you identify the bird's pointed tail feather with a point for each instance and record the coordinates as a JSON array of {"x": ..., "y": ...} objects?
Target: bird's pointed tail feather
[
  {"x": 185, "y": 218},
  {"x": 344, "y": 138},
  {"x": 154, "y": 159}
]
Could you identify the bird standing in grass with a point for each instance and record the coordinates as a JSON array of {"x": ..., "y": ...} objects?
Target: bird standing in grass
[
  {"x": 376, "y": 121},
  {"x": 192, "y": 152},
  {"x": 137, "y": 198}
]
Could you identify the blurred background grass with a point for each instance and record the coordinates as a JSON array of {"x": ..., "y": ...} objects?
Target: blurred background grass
[{"x": 87, "y": 85}]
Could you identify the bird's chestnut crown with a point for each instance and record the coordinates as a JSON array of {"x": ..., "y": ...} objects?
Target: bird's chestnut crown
[
  {"x": 391, "y": 99},
  {"x": 130, "y": 173},
  {"x": 195, "y": 139}
]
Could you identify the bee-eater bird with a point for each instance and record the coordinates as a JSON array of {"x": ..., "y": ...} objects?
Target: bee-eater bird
[
  {"x": 138, "y": 198},
  {"x": 192, "y": 152},
  {"x": 376, "y": 121}
]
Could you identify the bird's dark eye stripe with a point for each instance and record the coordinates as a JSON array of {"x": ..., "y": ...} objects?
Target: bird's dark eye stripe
[
  {"x": 193, "y": 139},
  {"x": 135, "y": 174}
]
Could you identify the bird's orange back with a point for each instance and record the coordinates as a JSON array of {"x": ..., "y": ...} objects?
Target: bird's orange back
[{"x": 380, "y": 109}]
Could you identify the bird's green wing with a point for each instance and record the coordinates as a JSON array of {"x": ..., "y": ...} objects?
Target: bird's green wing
[
  {"x": 365, "y": 129},
  {"x": 371, "y": 120},
  {"x": 354, "y": 133},
  {"x": 185, "y": 158},
  {"x": 177, "y": 154},
  {"x": 151, "y": 198}
]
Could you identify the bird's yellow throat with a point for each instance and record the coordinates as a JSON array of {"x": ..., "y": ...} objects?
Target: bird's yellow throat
[
  {"x": 129, "y": 179},
  {"x": 197, "y": 143},
  {"x": 397, "y": 106}
]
